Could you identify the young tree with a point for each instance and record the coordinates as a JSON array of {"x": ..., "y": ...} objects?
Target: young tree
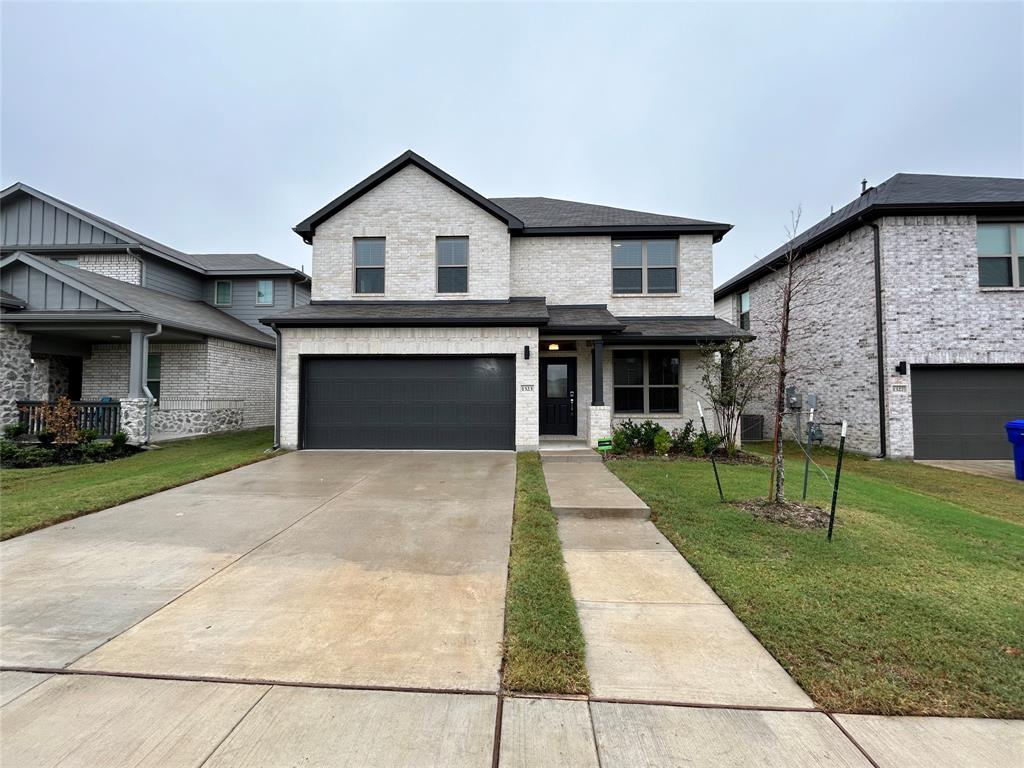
[
  {"x": 797, "y": 279},
  {"x": 733, "y": 375}
]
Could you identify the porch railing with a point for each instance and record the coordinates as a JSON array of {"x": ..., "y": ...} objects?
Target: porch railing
[{"x": 105, "y": 418}]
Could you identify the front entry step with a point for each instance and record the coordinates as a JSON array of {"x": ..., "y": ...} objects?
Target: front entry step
[
  {"x": 574, "y": 455},
  {"x": 587, "y": 489}
]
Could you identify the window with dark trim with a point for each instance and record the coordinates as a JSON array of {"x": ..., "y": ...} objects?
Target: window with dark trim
[
  {"x": 645, "y": 266},
  {"x": 264, "y": 292},
  {"x": 1001, "y": 255},
  {"x": 369, "y": 264},
  {"x": 645, "y": 381},
  {"x": 222, "y": 293},
  {"x": 745, "y": 310},
  {"x": 452, "y": 264},
  {"x": 153, "y": 374}
]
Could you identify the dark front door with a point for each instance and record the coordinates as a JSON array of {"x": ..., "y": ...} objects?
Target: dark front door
[{"x": 558, "y": 396}]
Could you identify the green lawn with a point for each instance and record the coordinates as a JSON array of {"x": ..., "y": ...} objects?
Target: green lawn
[
  {"x": 36, "y": 498},
  {"x": 543, "y": 638},
  {"x": 915, "y": 608}
]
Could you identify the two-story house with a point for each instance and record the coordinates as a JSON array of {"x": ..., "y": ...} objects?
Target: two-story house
[
  {"x": 444, "y": 319},
  {"x": 140, "y": 335},
  {"x": 914, "y": 331}
]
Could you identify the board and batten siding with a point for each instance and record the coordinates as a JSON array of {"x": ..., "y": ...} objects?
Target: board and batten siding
[
  {"x": 41, "y": 291},
  {"x": 243, "y": 299},
  {"x": 162, "y": 276},
  {"x": 29, "y": 221}
]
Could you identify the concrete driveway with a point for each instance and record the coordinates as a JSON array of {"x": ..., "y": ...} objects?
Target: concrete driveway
[{"x": 356, "y": 568}]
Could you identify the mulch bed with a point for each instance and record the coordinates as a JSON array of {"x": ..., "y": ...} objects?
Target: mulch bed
[
  {"x": 792, "y": 513},
  {"x": 738, "y": 458}
]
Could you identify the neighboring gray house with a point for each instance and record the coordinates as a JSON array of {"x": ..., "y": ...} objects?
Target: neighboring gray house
[
  {"x": 918, "y": 322},
  {"x": 444, "y": 319},
  {"x": 167, "y": 343}
]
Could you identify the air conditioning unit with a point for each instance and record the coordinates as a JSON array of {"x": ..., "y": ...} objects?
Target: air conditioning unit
[{"x": 751, "y": 428}]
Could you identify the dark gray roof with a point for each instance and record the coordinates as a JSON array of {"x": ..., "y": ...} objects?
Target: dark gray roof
[
  {"x": 523, "y": 215},
  {"x": 195, "y": 261},
  {"x": 10, "y": 300},
  {"x": 581, "y": 318},
  {"x": 165, "y": 308},
  {"x": 526, "y": 311},
  {"x": 694, "y": 329},
  {"x": 909, "y": 193},
  {"x": 551, "y": 213},
  {"x": 233, "y": 263}
]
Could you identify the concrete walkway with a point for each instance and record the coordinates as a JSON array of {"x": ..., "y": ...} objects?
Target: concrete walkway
[{"x": 581, "y": 487}]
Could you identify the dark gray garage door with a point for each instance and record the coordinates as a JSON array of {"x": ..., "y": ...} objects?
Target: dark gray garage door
[
  {"x": 960, "y": 410},
  {"x": 459, "y": 402}
]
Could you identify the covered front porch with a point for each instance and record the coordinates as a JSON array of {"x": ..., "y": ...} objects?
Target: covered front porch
[{"x": 597, "y": 370}]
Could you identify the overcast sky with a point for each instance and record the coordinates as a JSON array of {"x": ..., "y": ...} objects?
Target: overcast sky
[{"x": 218, "y": 127}]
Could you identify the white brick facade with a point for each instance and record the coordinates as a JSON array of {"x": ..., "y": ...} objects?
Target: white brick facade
[
  {"x": 411, "y": 209},
  {"x": 412, "y": 341},
  {"x": 578, "y": 270},
  {"x": 933, "y": 312},
  {"x": 119, "y": 266}
]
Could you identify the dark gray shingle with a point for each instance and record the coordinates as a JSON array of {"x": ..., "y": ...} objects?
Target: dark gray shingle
[{"x": 549, "y": 212}]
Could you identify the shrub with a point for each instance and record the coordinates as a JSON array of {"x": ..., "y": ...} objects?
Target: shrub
[
  {"x": 22, "y": 457},
  {"x": 662, "y": 442},
  {"x": 619, "y": 442},
  {"x": 119, "y": 440},
  {"x": 46, "y": 437},
  {"x": 648, "y": 431},
  {"x": 87, "y": 435},
  {"x": 14, "y": 431},
  {"x": 703, "y": 444},
  {"x": 682, "y": 439}
]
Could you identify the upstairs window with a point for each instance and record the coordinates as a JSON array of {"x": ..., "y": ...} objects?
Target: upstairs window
[
  {"x": 264, "y": 293},
  {"x": 645, "y": 266},
  {"x": 745, "y": 310},
  {"x": 1001, "y": 255},
  {"x": 222, "y": 293},
  {"x": 70, "y": 262},
  {"x": 369, "y": 260},
  {"x": 453, "y": 265}
]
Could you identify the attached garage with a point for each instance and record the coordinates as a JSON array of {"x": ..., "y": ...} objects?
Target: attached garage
[
  {"x": 458, "y": 402},
  {"x": 960, "y": 410}
]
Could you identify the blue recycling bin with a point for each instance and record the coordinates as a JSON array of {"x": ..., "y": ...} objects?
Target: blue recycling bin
[{"x": 1015, "y": 433}]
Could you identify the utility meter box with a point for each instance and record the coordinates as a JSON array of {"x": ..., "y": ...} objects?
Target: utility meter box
[{"x": 794, "y": 400}]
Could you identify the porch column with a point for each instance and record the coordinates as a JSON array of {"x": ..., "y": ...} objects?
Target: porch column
[
  {"x": 137, "y": 364},
  {"x": 597, "y": 373}
]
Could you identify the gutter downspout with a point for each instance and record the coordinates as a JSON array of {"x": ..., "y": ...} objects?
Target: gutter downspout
[
  {"x": 145, "y": 361},
  {"x": 277, "y": 396},
  {"x": 879, "y": 341}
]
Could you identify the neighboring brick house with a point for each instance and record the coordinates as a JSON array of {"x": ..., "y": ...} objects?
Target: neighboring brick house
[
  {"x": 918, "y": 318},
  {"x": 102, "y": 314},
  {"x": 444, "y": 319}
]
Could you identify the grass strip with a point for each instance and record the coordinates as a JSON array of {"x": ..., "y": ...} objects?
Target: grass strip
[
  {"x": 36, "y": 498},
  {"x": 544, "y": 647}
]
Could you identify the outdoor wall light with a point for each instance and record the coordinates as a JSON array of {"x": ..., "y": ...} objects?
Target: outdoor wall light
[
  {"x": 552, "y": 347},
  {"x": 526, "y": 352},
  {"x": 901, "y": 368}
]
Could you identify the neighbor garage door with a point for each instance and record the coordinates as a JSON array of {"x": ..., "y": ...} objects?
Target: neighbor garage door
[
  {"x": 408, "y": 402},
  {"x": 960, "y": 410}
]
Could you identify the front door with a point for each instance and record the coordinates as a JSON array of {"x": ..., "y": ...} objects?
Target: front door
[{"x": 558, "y": 396}]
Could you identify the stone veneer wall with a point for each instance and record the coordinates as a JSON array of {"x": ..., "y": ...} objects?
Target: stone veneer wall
[
  {"x": 15, "y": 371},
  {"x": 934, "y": 311},
  {"x": 412, "y": 341},
  {"x": 184, "y": 421},
  {"x": 410, "y": 210},
  {"x": 578, "y": 270}
]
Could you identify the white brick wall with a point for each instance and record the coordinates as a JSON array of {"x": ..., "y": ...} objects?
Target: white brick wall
[
  {"x": 411, "y": 209},
  {"x": 935, "y": 313},
  {"x": 215, "y": 370},
  {"x": 412, "y": 341},
  {"x": 119, "y": 266},
  {"x": 578, "y": 270}
]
